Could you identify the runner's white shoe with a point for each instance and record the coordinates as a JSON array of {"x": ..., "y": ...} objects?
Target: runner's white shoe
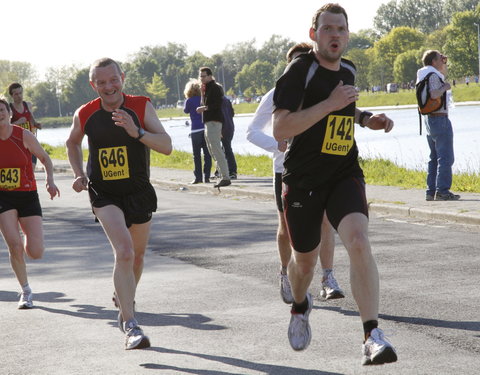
[
  {"x": 330, "y": 288},
  {"x": 299, "y": 331},
  {"x": 25, "y": 301},
  {"x": 285, "y": 290},
  {"x": 135, "y": 339},
  {"x": 377, "y": 350}
]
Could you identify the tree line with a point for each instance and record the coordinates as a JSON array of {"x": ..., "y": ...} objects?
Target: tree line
[{"x": 389, "y": 52}]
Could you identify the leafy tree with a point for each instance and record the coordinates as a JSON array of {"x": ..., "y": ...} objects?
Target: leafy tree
[
  {"x": 255, "y": 79},
  {"x": 425, "y": 15},
  {"x": 436, "y": 40},
  {"x": 77, "y": 91},
  {"x": 16, "y": 71},
  {"x": 364, "y": 39},
  {"x": 461, "y": 45},
  {"x": 44, "y": 99},
  {"x": 361, "y": 59},
  {"x": 406, "y": 66},
  {"x": 456, "y": 6},
  {"x": 157, "y": 89},
  {"x": 399, "y": 40},
  {"x": 275, "y": 49}
]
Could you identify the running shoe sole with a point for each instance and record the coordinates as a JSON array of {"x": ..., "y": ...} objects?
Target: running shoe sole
[
  {"x": 143, "y": 343},
  {"x": 387, "y": 355}
]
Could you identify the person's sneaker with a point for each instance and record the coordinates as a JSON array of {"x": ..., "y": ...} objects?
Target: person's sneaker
[
  {"x": 299, "y": 331},
  {"x": 285, "y": 290},
  {"x": 233, "y": 176},
  {"x": 429, "y": 197},
  {"x": 448, "y": 196},
  {"x": 377, "y": 350},
  {"x": 25, "y": 301},
  {"x": 223, "y": 183},
  {"x": 135, "y": 339},
  {"x": 330, "y": 288}
]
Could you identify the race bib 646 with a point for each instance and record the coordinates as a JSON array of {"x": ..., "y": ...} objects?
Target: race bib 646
[
  {"x": 114, "y": 163},
  {"x": 338, "y": 135},
  {"x": 9, "y": 178}
]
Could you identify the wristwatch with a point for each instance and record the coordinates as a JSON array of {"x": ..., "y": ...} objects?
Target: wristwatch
[
  {"x": 362, "y": 116},
  {"x": 141, "y": 133}
]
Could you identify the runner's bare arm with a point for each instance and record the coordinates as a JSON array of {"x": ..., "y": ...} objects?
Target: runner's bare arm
[
  {"x": 30, "y": 142},
  {"x": 75, "y": 154}
]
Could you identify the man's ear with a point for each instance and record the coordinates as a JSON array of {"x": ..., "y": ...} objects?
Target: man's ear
[{"x": 312, "y": 34}]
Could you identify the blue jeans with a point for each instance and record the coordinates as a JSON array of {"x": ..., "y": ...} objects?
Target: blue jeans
[
  {"x": 199, "y": 144},
  {"x": 232, "y": 163},
  {"x": 440, "y": 141}
]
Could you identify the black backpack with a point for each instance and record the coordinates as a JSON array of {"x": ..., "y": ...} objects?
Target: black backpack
[{"x": 427, "y": 104}]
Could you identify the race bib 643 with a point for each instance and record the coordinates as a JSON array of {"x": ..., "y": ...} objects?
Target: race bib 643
[
  {"x": 9, "y": 178},
  {"x": 114, "y": 163},
  {"x": 338, "y": 135}
]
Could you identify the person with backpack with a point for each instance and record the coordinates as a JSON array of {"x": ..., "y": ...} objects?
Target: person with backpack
[{"x": 431, "y": 77}]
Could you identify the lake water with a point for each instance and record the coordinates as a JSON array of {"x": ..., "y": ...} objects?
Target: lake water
[{"x": 403, "y": 145}]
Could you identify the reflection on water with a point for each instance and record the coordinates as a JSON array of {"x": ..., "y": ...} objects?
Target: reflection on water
[{"x": 403, "y": 145}]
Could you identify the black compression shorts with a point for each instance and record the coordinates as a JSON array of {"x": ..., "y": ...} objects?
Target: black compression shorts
[
  {"x": 26, "y": 203},
  {"x": 277, "y": 185},
  {"x": 137, "y": 207},
  {"x": 304, "y": 209}
]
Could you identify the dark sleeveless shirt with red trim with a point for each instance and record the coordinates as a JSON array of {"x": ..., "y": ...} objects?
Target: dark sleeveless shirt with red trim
[
  {"x": 26, "y": 113},
  {"x": 117, "y": 164},
  {"x": 16, "y": 171}
]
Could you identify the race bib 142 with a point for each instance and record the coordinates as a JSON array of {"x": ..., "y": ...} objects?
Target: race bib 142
[{"x": 338, "y": 135}]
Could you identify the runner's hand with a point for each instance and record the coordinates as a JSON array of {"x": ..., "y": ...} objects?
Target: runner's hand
[
  {"x": 79, "y": 184},
  {"x": 378, "y": 122}
]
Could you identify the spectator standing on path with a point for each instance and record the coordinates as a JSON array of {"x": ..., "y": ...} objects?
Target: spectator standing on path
[
  {"x": 19, "y": 202},
  {"x": 322, "y": 174},
  {"x": 120, "y": 129},
  {"x": 259, "y": 132},
  {"x": 439, "y": 130},
  {"x": 228, "y": 130},
  {"x": 197, "y": 134},
  {"x": 211, "y": 110},
  {"x": 22, "y": 113}
]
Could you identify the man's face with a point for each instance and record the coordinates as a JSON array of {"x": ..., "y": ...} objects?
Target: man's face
[
  {"x": 204, "y": 77},
  {"x": 331, "y": 36},
  {"x": 108, "y": 83},
  {"x": 4, "y": 114},
  {"x": 440, "y": 63},
  {"x": 17, "y": 95}
]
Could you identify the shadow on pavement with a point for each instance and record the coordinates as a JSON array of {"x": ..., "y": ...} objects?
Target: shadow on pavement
[
  {"x": 191, "y": 321},
  {"x": 462, "y": 325},
  {"x": 50, "y": 297},
  {"x": 236, "y": 362}
]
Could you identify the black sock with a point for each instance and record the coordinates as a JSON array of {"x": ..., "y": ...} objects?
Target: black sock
[
  {"x": 300, "y": 308},
  {"x": 369, "y": 326}
]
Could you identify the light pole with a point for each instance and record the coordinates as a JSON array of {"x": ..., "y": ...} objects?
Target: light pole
[
  {"x": 478, "y": 41},
  {"x": 58, "y": 91}
]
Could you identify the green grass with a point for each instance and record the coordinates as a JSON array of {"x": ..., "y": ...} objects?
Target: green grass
[{"x": 377, "y": 171}]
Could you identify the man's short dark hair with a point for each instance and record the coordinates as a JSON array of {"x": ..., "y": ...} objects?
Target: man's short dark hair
[
  {"x": 298, "y": 48},
  {"x": 206, "y": 69},
  {"x": 429, "y": 56},
  {"x": 14, "y": 86},
  {"x": 102, "y": 63},
  {"x": 332, "y": 8}
]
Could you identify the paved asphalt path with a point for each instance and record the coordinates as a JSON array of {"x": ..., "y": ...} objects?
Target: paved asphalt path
[{"x": 210, "y": 303}]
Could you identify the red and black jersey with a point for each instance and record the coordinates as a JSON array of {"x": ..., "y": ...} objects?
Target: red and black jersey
[
  {"x": 16, "y": 171},
  {"x": 117, "y": 164},
  {"x": 26, "y": 113}
]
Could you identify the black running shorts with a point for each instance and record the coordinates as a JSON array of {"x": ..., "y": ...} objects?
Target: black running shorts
[
  {"x": 136, "y": 207},
  {"x": 26, "y": 203},
  {"x": 304, "y": 209},
  {"x": 277, "y": 185}
]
